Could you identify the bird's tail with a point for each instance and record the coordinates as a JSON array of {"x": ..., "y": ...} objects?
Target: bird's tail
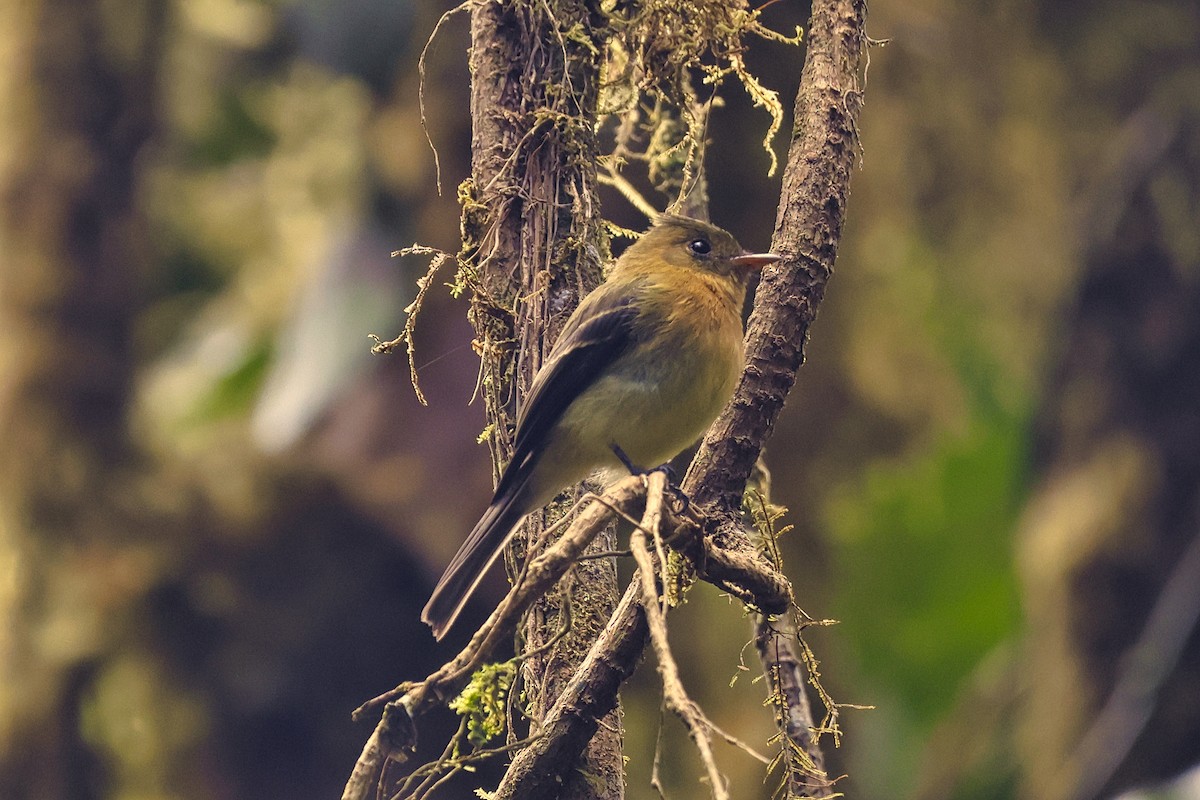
[{"x": 476, "y": 555}]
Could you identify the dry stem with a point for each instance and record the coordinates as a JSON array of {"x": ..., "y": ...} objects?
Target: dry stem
[{"x": 674, "y": 695}]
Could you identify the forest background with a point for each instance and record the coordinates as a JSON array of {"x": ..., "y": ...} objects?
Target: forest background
[{"x": 220, "y": 514}]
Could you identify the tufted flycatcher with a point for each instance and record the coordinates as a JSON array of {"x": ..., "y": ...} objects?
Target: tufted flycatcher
[{"x": 639, "y": 371}]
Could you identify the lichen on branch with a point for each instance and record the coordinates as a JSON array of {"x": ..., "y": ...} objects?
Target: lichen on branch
[{"x": 660, "y": 50}]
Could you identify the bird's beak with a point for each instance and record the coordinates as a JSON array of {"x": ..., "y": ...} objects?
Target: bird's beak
[{"x": 755, "y": 261}]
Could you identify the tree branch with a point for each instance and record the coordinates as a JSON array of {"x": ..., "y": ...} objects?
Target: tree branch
[
  {"x": 808, "y": 228},
  {"x": 801, "y": 755},
  {"x": 674, "y": 695},
  {"x": 506, "y": 237}
]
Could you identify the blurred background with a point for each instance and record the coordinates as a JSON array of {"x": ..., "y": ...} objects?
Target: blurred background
[{"x": 220, "y": 514}]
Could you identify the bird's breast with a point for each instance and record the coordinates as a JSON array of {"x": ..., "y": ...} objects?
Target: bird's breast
[{"x": 662, "y": 394}]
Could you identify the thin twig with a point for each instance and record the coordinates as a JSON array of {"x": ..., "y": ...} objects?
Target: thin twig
[
  {"x": 674, "y": 695},
  {"x": 800, "y": 757},
  {"x": 618, "y": 181},
  {"x": 437, "y": 162},
  {"x": 440, "y": 257}
]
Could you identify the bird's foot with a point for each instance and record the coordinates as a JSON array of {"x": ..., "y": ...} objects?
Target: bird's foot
[
  {"x": 669, "y": 471},
  {"x": 680, "y": 500}
]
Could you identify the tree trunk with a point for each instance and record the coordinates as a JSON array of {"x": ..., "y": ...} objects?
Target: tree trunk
[{"x": 532, "y": 231}]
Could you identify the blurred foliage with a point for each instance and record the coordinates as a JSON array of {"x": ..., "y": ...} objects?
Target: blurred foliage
[{"x": 943, "y": 594}]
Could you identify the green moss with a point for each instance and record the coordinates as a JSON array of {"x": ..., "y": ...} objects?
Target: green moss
[{"x": 484, "y": 702}]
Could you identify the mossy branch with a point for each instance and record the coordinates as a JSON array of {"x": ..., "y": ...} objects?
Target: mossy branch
[{"x": 394, "y": 737}]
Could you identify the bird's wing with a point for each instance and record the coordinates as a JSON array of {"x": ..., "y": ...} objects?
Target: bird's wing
[{"x": 595, "y": 336}]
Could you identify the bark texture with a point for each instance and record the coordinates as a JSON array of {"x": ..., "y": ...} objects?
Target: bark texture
[{"x": 532, "y": 232}]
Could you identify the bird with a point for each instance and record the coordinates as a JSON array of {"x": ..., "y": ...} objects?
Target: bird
[{"x": 640, "y": 370}]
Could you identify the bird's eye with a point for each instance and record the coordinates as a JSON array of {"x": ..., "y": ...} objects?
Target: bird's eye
[{"x": 700, "y": 247}]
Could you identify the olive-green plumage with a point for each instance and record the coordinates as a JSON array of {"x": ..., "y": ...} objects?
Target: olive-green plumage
[{"x": 644, "y": 365}]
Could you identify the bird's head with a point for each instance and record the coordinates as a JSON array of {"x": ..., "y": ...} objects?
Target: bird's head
[{"x": 692, "y": 244}]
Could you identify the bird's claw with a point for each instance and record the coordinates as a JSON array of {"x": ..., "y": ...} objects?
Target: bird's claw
[
  {"x": 680, "y": 499},
  {"x": 668, "y": 470}
]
